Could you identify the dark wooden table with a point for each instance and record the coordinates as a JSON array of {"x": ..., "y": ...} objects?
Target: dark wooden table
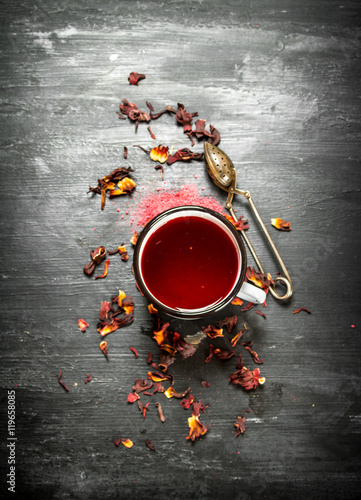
[{"x": 280, "y": 81}]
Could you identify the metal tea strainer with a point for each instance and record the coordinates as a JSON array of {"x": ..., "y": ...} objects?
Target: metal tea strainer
[{"x": 224, "y": 175}]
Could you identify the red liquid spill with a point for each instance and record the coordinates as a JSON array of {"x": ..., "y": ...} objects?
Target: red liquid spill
[{"x": 189, "y": 263}]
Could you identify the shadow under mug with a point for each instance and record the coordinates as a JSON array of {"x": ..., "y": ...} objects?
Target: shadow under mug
[{"x": 190, "y": 261}]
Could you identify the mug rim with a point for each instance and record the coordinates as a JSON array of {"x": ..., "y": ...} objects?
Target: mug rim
[{"x": 188, "y": 313}]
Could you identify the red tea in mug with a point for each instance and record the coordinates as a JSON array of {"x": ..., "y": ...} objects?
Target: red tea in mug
[{"x": 190, "y": 262}]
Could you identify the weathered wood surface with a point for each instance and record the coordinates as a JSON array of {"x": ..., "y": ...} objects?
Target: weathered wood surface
[{"x": 280, "y": 81}]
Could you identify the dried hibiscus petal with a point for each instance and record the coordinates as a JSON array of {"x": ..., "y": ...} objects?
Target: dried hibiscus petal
[
  {"x": 97, "y": 256},
  {"x": 127, "y": 442},
  {"x": 184, "y": 118},
  {"x": 237, "y": 302},
  {"x": 104, "y": 348},
  {"x": 160, "y": 377},
  {"x": 62, "y": 383},
  {"x": 281, "y": 224},
  {"x": 135, "y": 77},
  {"x": 212, "y": 332},
  {"x": 240, "y": 423},
  {"x": 228, "y": 323},
  {"x": 260, "y": 313},
  {"x": 184, "y": 155},
  {"x": 150, "y": 445},
  {"x": 117, "y": 441},
  {"x": 248, "y": 379},
  {"x": 134, "y": 238},
  {"x": 253, "y": 354},
  {"x": 170, "y": 393},
  {"x": 210, "y": 354},
  {"x": 224, "y": 355},
  {"x": 160, "y": 412},
  {"x": 143, "y": 408},
  {"x": 196, "y": 428},
  {"x": 186, "y": 403},
  {"x": 88, "y": 378},
  {"x": 159, "y": 153},
  {"x": 302, "y": 309},
  {"x": 133, "y": 397},
  {"x": 83, "y": 325},
  {"x": 237, "y": 337},
  {"x": 105, "y": 272},
  {"x": 134, "y": 351},
  {"x": 204, "y": 383}
]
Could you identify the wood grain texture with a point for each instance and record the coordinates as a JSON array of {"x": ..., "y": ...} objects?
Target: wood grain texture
[{"x": 280, "y": 81}]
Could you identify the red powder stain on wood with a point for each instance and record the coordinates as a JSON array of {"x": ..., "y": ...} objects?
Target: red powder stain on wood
[{"x": 158, "y": 202}]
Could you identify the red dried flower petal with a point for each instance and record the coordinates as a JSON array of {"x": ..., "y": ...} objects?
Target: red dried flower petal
[
  {"x": 104, "y": 348},
  {"x": 302, "y": 309},
  {"x": 117, "y": 441},
  {"x": 133, "y": 349},
  {"x": 88, "y": 378},
  {"x": 127, "y": 443},
  {"x": 237, "y": 337},
  {"x": 159, "y": 153},
  {"x": 134, "y": 238},
  {"x": 150, "y": 445},
  {"x": 97, "y": 256},
  {"x": 237, "y": 302},
  {"x": 133, "y": 397},
  {"x": 83, "y": 325},
  {"x": 254, "y": 355},
  {"x": 186, "y": 403},
  {"x": 204, "y": 383},
  {"x": 196, "y": 428},
  {"x": 170, "y": 393},
  {"x": 224, "y": 355},
  {"x": 184, "y": 155},
  {"x": 240, "y": 423},
  {"x": 135, "y": 77},
  {"x": 210, "y": 354},
  {"x": 260, "y": 313},
  {"x": 212, "y": 332},
  {"x": 248, "y": 379},
  {"x": 281, "y": 224},
  {"x": 106, "y": 267},
  {"x": 160, "y": 412},
  {"x": 228, "y": 323},
  {"x": 62, "y": 383}
]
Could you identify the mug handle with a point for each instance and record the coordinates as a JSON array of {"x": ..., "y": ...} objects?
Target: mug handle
[{"x": 252, "y": 293}]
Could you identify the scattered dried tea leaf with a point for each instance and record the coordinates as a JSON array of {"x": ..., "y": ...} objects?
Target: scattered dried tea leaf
[
  {"x": 115, "y": 314},
  {"x": 116, "y": 183},
  {"x": 135, "y": 77},
  {"x": 260, "y": 313},
  {"x": 210, "y": 354},
  {"x": 88, "y": 378},
  {"x": 241, "y": 224},
  {"x": 240, "y": 423},
  {"x": 149, "y": 359},
  {"x": 248, "y": 379},
  {"x": 143, "y": 408},
  {"x": 83, "y": 325},
  {"x": 302, "y": 309},
  {"x": 127, "y": 442},
  {"x": 204, "y": 383},
  {"x": 281, "y": 224},
  {"x": 237, "y": 302},
  {"x": 117, "y": 441}
]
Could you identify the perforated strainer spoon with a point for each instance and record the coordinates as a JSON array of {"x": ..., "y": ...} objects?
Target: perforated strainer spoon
[{"x": 224, "y": 175}]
